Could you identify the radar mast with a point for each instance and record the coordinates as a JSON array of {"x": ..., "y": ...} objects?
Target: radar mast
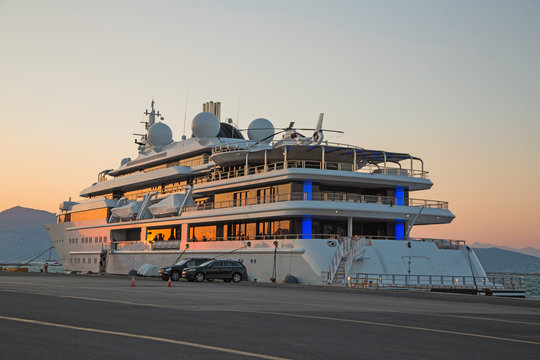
[{"x": 151, "y": 116}]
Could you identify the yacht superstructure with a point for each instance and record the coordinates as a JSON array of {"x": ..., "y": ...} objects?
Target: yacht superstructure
[{"x": 295, "y": 206}]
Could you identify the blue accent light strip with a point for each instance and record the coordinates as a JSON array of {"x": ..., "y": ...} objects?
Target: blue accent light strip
[
  {"x": 399, "y": 230},
  {"x": 400, "y": 195},
  {"x": 306, "y": 227},
  {"x": 307, "y": 189}
]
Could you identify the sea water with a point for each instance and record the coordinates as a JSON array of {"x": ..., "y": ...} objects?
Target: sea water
[{"x": 532, "y": 286}]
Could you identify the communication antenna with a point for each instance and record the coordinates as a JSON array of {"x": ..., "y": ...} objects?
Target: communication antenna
[
  {"x": 238, "y": 113},
  {"x": 185, "y": 113}
]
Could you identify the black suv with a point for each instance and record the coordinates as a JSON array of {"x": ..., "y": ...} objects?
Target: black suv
[
  {"x": 226, "y": 270},
  {"x": 175, "y": 271}
]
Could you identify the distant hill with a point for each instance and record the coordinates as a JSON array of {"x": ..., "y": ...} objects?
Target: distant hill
[
  {"x": 22, "y": 234},
  {"x": 528, "y": 250},
  {"x": 499, "y": 260}
]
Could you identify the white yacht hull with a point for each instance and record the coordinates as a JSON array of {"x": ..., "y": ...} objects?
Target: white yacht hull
[{"x": 309, "y": 260}]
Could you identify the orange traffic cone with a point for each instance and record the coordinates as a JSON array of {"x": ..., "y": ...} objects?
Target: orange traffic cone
[
  {"x": 169, "y": 283},
  {"x": 132, "y": 281}
]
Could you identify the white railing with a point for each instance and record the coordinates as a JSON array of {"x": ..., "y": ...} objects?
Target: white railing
[
  {"x": 319, "y": 196},
  {"x": 336, "y": 260},
  {"x": 437, "y": 281},
  {"x": 348, "y": 248}
]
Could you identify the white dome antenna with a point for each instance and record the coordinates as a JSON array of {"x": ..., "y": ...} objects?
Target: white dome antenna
[
  {"x": 159, "y": 135},
  {"x": 261, "y": 130},
  {"x": 205, "y": 125}
]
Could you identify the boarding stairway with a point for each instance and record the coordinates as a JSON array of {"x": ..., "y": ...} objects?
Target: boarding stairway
[{"x": 349, "y": 248}]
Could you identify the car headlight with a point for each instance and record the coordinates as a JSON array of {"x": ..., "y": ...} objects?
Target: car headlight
[{"x": 168, "y": 269}]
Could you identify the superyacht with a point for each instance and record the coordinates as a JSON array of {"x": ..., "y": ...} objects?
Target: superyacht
[{"x": 289, "y": 206}]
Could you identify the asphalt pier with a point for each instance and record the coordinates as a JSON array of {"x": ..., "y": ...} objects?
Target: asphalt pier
[{"x": 57, "y": 316}]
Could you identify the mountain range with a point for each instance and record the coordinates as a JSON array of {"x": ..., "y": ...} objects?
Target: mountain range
[
  {"x": 22, "y": 236},
  {"x": 506, "y": 261},
  {"x": 527, "y": 250}
]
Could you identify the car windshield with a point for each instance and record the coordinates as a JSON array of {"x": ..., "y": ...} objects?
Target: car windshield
[
  {"x": 206, "y": 263},
  {"x": 182, "y": 262}
]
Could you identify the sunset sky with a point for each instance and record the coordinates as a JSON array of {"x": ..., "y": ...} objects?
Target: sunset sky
[{"x": 456, "y": 83}]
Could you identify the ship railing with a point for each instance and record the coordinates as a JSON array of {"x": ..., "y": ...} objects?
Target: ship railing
[
  {"x": 175, "y": 244},
  {"x": 310, "y": 164},
  {"x": 166, "y": 245},
  {"x": 507, "y": 281},
  {"x": 266, "y": 237},
  {"x": 436, "y": 281},
  {"x": 440, "y": 243},
  {"x": 348, "y": 249},
  {"x": 243, "y": 145},
  {"x": 319, "y": 196},
  {"x": 336, "y": 260},
  {"x": 218, "y": 174}
]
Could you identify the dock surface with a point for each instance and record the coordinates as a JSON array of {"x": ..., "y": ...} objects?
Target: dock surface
[{"x": 58, "y": 316}]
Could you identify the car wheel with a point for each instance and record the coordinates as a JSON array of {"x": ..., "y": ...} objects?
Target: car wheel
[
  {"x": 236, "y": 277},
  {"x": 199, "y": 277},
  {"x": 209, "y": 280},
  {"x": 175, "y": 276}
]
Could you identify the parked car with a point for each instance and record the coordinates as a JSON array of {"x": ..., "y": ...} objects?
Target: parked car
[
  {"x": 175, "y": 271},
  {"x": 226, "y": 270}
]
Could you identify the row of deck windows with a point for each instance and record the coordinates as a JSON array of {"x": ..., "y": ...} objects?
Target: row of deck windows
[
  {"x": 83, "y": 260},
  {"x": 88, "y": 240}
]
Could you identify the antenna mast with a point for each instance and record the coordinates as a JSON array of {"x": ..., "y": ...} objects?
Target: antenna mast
[
  {"x": 185, "y": 113},
  {"x": 151, "y": 116},
  {"x": 238, "y": 113}
]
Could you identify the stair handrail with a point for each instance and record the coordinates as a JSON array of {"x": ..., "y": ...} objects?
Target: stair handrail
[
  {"x": 356, "y": 248},
  {"x": 349, "y": 248},
  {"x": 336, "y": 260}
]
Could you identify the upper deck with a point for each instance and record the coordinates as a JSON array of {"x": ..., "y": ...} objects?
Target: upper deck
[{"x": 331, "y": 161}]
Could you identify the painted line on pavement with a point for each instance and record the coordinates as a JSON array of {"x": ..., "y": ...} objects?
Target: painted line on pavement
[
  {"x": 144, "y": 337},
  {"x": 365, "y": 322}
]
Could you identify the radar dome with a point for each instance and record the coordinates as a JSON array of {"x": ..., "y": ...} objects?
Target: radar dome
[
  {"x": 205, "y": 125},
  {"x": 159, "y": 135},
  {"x": 261, "y": 130}
]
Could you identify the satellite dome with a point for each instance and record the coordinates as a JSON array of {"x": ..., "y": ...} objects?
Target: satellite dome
[
  {"x": 205, "y": 125},
  {"x": 261, "y": 130},
  {"x": 159, "y": 135}
]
